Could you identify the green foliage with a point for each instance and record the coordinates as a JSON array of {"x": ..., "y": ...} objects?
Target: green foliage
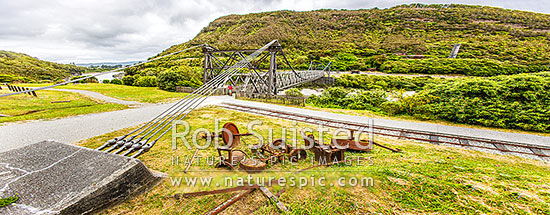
[
  {"x": 4, "y": 78},
  {"x": 369, "y": 82},
  {"x": 169, "y": 80},
  {"x": 294, "y": 92},
  {"x": 179, "y": 76},
  {"x": 494, "y": 40},
  {"x": 146, "y": 81},
  {"x": 8, "y": 201},
  {"x": 92, "y": 80},
  {"x": 106, "y": 81},
  {"x": 515, "y": 101},
  {"x": 337, "y": 97},
  {"x": 24, "y": 68},
  {"x": 129, "y": 79},
  {"x": 471, "y": 67},
  {"x": 116, "y": 81},
  {"x": 88, "y": 80}
]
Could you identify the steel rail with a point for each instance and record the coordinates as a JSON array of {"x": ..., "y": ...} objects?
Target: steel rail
[{"x": 360, "y": 126}]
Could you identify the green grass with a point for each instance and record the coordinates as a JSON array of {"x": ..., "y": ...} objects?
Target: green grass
[
  {"x": 25, "y": 107},
  {"x": 424, "y": 179},
  {"x": 7, "y": 201},
  {"x": 130, "y": 93}
]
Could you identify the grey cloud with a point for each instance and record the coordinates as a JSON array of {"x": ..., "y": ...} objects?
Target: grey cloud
[{"x": 99, "y": 30}]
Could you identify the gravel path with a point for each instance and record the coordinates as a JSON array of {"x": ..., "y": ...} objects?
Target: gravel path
[
  {"x": 73, "y": 129},
  {"x": 100, "y": 97}
]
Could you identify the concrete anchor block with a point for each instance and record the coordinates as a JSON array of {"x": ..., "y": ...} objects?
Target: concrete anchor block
[{"x": 55, "y": 178}]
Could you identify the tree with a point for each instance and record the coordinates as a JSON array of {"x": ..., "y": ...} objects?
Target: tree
[{"x": 168, "y": 80}]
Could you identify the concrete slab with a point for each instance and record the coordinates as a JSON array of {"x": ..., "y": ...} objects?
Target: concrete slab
[{"x": 55, "y": 178}]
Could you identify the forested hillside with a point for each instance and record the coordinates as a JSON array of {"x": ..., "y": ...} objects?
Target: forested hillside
[
  {"x": 21, "y": 67},
  {"x": 494, "y": 41}
]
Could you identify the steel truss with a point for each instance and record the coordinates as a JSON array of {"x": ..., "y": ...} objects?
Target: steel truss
[{"x": 255, "y": 79}]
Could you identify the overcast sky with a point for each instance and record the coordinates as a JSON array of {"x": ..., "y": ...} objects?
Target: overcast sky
[{"x": 85, "y": 31}]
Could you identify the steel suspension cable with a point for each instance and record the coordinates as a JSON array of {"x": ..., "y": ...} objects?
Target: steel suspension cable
[
  {"x": 128, "y": 143},
  {"x": 176, "y": 107},
  {"x": 147, "y": 146}
]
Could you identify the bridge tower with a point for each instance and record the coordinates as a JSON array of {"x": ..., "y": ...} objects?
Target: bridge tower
[{"x": 262, "y": 76}]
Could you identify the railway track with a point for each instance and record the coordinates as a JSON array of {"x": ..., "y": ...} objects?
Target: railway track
[{"x": 481, "y": 144}]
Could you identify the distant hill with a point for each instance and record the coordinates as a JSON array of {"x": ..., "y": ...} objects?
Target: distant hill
[
  {"x": 496, "y": 39},
  {"x": 108, "y": 64},
  {"x": 21, "y": 67}
]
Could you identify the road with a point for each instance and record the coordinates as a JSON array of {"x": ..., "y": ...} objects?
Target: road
[{"x": 76, "y": 128}]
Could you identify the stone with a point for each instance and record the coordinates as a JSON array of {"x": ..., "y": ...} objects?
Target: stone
[{"x": 55, "y": 178}]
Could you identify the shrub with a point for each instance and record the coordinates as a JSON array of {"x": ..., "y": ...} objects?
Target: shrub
[
  {"x": 87, "y": 80},
  {"x": 116, "y": 81},
  {"x": 294, "y": 93},
  {"x": 515, "y": 101},
  {"x": 146, "y": 81},
  {"x": 129, "y": 79},
  {"x": 337, "y": 97},
  {"x": 168, "y": 80},
  {"x": 386, "y": 83},
  {"x": 471, "y": 67},
  {"x": 8, "y": 78},
  {"x": 91, "y": 80},
  {"x": 106, "y": 81}
]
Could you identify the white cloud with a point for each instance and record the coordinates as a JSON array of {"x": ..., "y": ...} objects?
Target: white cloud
[{"x": 124, "y": 30}]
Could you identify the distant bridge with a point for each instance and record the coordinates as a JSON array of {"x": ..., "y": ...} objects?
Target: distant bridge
[{"x": 255, "y": 79}]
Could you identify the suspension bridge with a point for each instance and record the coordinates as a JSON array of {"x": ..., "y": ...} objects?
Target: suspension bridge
[
  {"x": 241, "y": 69},
  {"x": 238, "y": 69}
]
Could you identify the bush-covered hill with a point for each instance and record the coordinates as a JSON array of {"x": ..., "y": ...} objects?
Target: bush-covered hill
[
  {"x": 493, "y": 39},
  {"x": 21, "y": 67}
]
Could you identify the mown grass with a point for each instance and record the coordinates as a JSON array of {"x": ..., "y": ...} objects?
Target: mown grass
[
  {"x": 25, "y": 107},
  {"x": 130, "y": 93},
  {"x": 424, "y": 179}
]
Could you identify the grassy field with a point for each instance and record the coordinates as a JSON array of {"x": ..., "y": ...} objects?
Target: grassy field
[
  {"x": 424, "y": 179},
  {"x": 130, "y": 93},
  {"x": 25, "y": 107}
]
